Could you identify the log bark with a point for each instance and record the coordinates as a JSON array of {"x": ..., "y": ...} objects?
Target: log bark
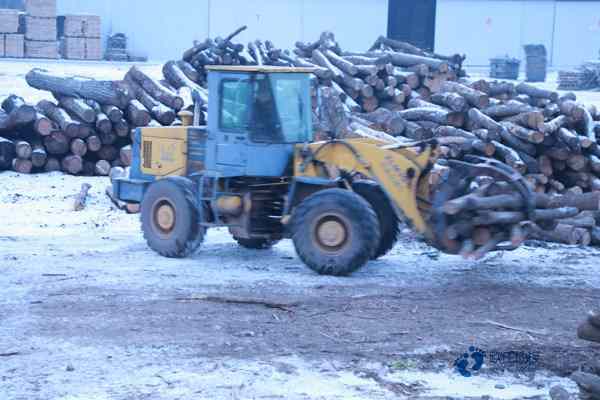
[
  {"x": 78, "y": 147},
  {"x": 508, "y": 109},
  {"x": 77, "y": 107},
  {"x": 72, "y": 164},
  {"x": 52, "y": 165},
  {"x": 474, "y": 97},
  {"x": 102, "y": 168},
  {"x": 61, "y": 117},
  {"x": 137, "y": 114},
  {"x": 22, "y": 113},
  {"x": 104, "y": 92},
  {"x": 93, "y": 143},
  {"x": 481, "y": 120},
  {"x": 510, "y": 156},
  {"x": 523, "y": 133},
  {"x": 39, "y": 156},
  {"x": 531, "y": 120},
  {"x": 341, "y": 63},
  {"x": 22, "y": 166},
  {"x": 534, "y": 91},
  {"x": 57, "y": 143},
  {"x": 23, "y": 150},
  {"x": 7, "y": 153},
  {"x": 43, "y": 125},
  {"x": 156, "y": 89},
  {"x": 159, "y": 111},
  {"x": 109, "y": 153},
  {"x": 453, "y": 101},
  {"x": 113, "y": 113},
  {"x": 409, "y": 60},
  {"x": 125, "y": 155},
  {"x": 437, "y": 115}
]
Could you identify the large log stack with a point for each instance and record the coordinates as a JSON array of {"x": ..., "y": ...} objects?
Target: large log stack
[{"x": 393, "y": 91}]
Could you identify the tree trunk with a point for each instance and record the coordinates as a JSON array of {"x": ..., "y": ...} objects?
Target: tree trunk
[
  {"x": 102, "y": 168},
  {"x": 436, "y": 115},
  {"x": 52, "y": 165},
  {"x": 57, "y": 143},
  {"x": 104, "y": 92},
  {"x": 534, "y": 91},
  {"x": 93, "y": 143},
  {"x": 7, "y": 153},
  {"x": 43, "y": 125},
  {"x": 409, "y": 60},
  {"x": 159, "y": 111},
  {"x": 22, "y": 113},
  {"x": 125, "y": 155},
  {"x": 523, "y": 133},
  {"x": 22, "y": 166},
  {"x": 113, "y": 113},
  {"x": 156, "y": 89},
  {"x": 72, "y": 164},
  {"x": 77, "y": 107},
  {"x": 137, "y": 114},
  {"x": 508, "y": 109},
  {"x": 474, "y": 97},
  {"x": 23, "y": 150},
  {"x": 453, "y": 101},
  {"x": 532, "y": 120},
  {"x": 78, "y": 147},
  {"x": 61, "y": 117}
]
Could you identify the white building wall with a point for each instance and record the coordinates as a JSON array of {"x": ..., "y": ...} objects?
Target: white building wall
[
  {"x": 577, "y": 36},
  {"x": 486, "y": 29},
  {"x": 163, "y": 30}
]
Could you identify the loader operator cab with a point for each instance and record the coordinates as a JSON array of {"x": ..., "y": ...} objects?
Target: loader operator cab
[{"x": 262, "y": 113}]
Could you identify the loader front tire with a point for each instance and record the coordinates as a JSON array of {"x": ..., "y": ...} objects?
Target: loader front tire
[
  {"x": 389, "y": 224},
  {"x": 171, "y": 219},
  {"x": 335, "y": 232}
]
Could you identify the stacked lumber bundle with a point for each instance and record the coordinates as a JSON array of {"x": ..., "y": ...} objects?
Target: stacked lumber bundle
[
  {"x": 40, "y": 29},
  {"x": 586, "y": 77},
  {"x": 11, "y": 42},
  {"x": 80, "y": 37}
]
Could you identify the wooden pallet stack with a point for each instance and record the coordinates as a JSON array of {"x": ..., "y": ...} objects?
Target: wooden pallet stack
[
  {"x": 11, "y": 42},
  {"x": 40, "y": 29},
  {"x": 80, "y": 37}
]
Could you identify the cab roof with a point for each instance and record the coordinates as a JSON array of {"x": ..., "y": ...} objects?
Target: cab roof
[{"x": 264, "y": 69}]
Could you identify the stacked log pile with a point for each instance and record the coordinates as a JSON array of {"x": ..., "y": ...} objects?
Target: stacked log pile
[{"x": 393, "y": 91}]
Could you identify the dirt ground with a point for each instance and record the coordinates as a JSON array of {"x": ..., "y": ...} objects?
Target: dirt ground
[{"x": 87, "y": 311}]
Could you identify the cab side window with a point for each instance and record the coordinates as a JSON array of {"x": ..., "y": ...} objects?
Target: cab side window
[{"x": 235, "y": 107}]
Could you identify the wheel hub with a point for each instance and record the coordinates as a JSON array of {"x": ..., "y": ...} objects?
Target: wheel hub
[
  {"x": 331, "y": 233},
  {"x": 165, "y": 217}
]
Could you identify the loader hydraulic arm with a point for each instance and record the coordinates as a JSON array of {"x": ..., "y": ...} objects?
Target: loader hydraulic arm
[{"x": 400, "y": 170}]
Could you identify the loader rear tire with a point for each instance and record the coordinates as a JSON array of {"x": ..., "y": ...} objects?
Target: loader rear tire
[
  {"x": 256, "y": 244},
  {"x": 335, "y": 232},
  {"x": 171, "y": 219},
  {"x": 389, "y": 224}
]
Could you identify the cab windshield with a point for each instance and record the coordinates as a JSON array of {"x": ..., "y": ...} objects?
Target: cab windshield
[{"x": 281, "y": 108}]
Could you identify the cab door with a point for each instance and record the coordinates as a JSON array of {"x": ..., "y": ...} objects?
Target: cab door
[{"x": 233, "y": 125}]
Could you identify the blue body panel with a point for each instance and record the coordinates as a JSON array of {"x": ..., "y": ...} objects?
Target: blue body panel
[
  {"x": 232, "y": 154},
  {"x": 130, "y": 190}
]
